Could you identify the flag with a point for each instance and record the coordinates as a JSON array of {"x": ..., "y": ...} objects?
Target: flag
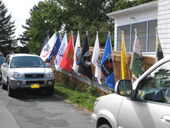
[
  {"x": 123, "y": 56},
  {"x": 60, "y": 53},
  {"x": 136, "y": 65},
  {"x": 96, "y": 59},
  {"x": 107, "y": 64},
  {"x": 55, "y": 49},
  {"x": 67, "y": 60},
  {"x": 77, "y": 53},
  {"x": 45, "y": 42},
  {"x": 85, "y": 64},
  {"x": 45, "y": 53},
  {"x": 159, "y": 53}
]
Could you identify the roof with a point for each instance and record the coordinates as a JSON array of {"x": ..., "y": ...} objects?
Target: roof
[{"x": 132, "y": 9}]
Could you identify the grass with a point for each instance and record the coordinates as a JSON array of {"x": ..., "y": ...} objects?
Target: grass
[{"x": 84, "y": 99}]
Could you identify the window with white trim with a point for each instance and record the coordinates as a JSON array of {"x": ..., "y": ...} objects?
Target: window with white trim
[{"x": 146, "y": 34}]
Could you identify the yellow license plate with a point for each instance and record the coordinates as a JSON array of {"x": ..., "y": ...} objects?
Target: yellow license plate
[{"x": 35, "y": 86}]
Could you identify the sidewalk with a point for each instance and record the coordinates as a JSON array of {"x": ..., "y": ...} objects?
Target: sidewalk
[{"x": 6, "y": 118}]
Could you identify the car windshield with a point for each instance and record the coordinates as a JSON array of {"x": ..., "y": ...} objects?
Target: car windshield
[{"x": 27, "y": 61}]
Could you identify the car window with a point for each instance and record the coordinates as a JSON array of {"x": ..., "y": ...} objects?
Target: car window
[
  {"x": 26, "y": 61},
  {"x": 156, "y": 86}
]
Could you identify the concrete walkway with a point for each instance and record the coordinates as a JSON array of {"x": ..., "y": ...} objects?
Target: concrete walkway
[{"x": 6, "y": 118}]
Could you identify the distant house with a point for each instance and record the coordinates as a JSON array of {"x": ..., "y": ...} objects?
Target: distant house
[{"x": 145, "y": 18}]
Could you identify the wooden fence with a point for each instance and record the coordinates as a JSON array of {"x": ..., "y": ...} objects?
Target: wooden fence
[{"x": 116, "y": 56}]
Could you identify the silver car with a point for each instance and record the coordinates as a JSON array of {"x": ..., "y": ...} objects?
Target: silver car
[
  {"x": 26, "y": 71},
  {"x": 145, "y": 104}
]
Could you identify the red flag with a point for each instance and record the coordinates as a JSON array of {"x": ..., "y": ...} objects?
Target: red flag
[{"x": 67, "y": 60}]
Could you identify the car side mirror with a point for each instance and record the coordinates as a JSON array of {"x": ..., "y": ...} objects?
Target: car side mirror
[
  {"x": 124, "y": 88},
  {"x": 5, "y": 65},
  {"x": 48, "y": 65}
]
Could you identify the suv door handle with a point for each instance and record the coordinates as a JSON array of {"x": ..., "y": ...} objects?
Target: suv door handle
[{"x": 165, "y": 118}]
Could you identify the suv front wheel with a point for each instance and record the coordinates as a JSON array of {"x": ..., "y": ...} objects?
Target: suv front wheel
[
  {"x": 10, "y": 90},
  {"x": 105, "y": 126}
]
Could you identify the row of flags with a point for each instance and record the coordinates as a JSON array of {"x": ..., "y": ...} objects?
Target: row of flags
[
  {"x": 136, "y": 65},
  {"x": 76, "y": 58}
]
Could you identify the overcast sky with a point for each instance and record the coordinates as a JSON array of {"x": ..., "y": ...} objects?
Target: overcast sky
[{"x": 20, "y": 12}]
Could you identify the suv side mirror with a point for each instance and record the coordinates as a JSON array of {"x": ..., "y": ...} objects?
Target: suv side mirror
[
  {"x": 5, "y": 65},
  {"x": 124, "y": 88},
  {"x": 48, "y": 65}
]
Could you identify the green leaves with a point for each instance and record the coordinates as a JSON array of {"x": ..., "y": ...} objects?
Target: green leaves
[{"x": 74, "y": 15}]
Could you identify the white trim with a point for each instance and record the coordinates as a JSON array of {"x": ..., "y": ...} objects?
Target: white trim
[{"x": 138, "y": 8}]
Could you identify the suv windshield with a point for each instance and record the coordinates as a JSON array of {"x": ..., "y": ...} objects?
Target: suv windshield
[{"x": 27, "y": 61}]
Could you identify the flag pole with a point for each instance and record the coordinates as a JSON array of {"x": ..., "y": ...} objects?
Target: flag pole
[
  {"x": 47, "y": 32},
  {"x": 108, "y": 33},
  {"x": 89, "y": 78}
]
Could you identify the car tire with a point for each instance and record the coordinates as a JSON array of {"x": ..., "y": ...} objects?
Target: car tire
[
  {"x": 104, "y": 126},
  {"x": 4, "y": 87},
  {"x": 10, "y": 90}
]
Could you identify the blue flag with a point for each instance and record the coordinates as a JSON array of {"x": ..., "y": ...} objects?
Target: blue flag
[
  {"x": 107, "y": 64},
  {"x": 55, "y": 49}
]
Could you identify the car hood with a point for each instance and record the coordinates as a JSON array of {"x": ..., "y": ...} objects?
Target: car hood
[{"x": 31, "y": 70}]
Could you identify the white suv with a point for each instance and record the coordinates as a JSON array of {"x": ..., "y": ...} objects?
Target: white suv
[
  {"x": 26, "y": 71},
  {"x": 145, "y": 104}
]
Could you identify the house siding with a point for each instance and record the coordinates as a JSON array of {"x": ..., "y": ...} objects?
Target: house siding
[
  {"x": 140, "y": 16},
  {"x": 164, "y": 25}
]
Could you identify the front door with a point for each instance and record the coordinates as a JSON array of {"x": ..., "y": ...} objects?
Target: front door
[{"x": 151, "y": 108}]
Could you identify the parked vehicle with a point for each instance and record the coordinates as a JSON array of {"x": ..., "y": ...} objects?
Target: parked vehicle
[
  {"x": 2, "y": 58},
  {"x": 26, "y": 71},
  {"x": 143, "y": 104}
]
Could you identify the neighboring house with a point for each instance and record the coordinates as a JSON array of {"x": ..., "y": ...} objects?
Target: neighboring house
[{"x": 145, "y": 18}]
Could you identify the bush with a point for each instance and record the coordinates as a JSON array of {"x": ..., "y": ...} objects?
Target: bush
[{"x": 92, "y": 90}]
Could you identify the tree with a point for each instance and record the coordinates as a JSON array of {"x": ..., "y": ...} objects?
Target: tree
[
  {"x": 46, "y": 16},
  {"x": 76, "y": 15},
  {"x": 102, "y": 28},
  {"x": 7, "y": 29}
]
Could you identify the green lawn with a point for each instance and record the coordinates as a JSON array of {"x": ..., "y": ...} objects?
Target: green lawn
[{"x": 83, "y": 99}]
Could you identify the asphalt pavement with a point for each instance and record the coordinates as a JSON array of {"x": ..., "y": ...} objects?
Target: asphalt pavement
[
  {"x": 40, "y": 111},
  {"x": 7, "y": 120}
]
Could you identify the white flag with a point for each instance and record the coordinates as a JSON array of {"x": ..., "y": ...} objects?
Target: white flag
[
  {"x": 60, "y": 53},
  {"x": 45, "y": 53},
  {"x": 77, "y": 54},
  {"x": 96, "y": 60}
]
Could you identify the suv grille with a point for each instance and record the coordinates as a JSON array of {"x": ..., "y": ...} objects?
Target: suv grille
[
  {"x": 34, "y": 82},
  {"x": 34, "y": 75}
]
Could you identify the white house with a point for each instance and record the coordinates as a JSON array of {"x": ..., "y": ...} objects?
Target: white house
[
  {"x": 145, "y": 18},
  {"x": 164, "y": 25}
]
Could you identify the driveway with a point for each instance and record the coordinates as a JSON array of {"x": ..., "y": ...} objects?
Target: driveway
[{"x": 39, "y": 111}]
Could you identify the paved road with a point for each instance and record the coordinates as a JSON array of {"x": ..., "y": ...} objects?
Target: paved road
[{"x": 39, "y": 111}]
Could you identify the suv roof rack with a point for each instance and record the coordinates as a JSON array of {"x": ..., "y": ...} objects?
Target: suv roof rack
[{"x": 11, "y": 53}]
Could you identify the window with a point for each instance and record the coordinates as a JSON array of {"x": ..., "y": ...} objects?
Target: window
[
  {"x": 27, "y": 61},
  {"x": 146, "y": 34},
  {"x": 156, "y": 86}
]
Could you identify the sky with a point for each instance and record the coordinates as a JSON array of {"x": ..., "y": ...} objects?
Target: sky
[{"x": 19, "y": 9}]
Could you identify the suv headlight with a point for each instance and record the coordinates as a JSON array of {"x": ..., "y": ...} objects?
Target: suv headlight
[
  {"x": 17, "y": 75},
  {"x": 49, "y": 74}
]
